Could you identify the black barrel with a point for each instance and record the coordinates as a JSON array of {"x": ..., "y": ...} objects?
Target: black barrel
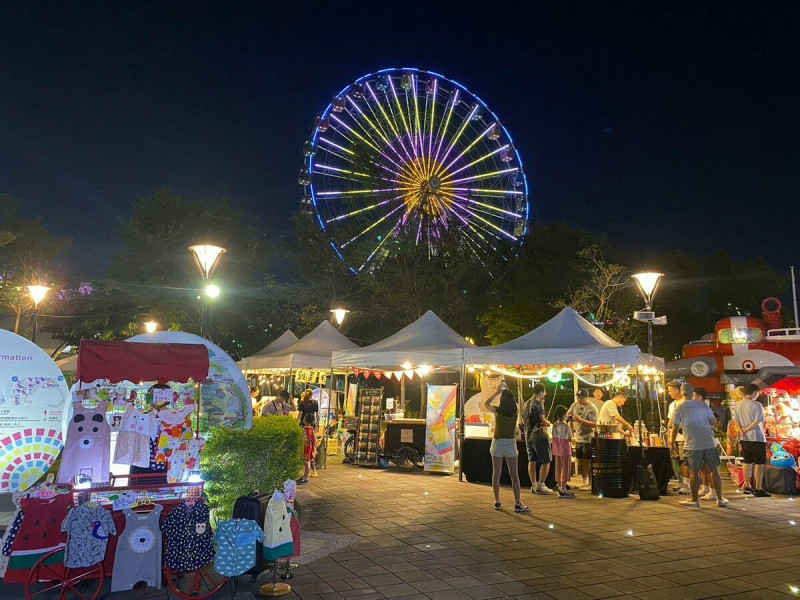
[{"x": 609, "y": 465}]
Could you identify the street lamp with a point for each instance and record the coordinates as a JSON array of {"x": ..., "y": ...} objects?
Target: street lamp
[
  {"x": 339, "y": 314},
  {"x": 150, "y": 326},
  {"x": 648, "y": 283},
  {"x": 206, "y": 256},
  {"x": 38, "y": 292}
]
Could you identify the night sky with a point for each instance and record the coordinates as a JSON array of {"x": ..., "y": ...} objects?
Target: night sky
[{"x": 670, "y": 127}]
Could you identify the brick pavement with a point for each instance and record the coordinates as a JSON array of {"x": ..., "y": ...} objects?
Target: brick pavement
[{"x": 430, "y": 537}]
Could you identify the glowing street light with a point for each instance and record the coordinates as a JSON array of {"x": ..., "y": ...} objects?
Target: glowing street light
[
  {"x": 206, "y": 256},
  {"x": 648, "y": 282},
  {"x": 37, "y": 292},
  {"x": 150, "y": 326},
  {"x": 339, "y": 314}
]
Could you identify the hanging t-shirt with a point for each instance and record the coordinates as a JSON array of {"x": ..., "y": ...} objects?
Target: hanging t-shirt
[
  {"x": 87, "y": 450},
  {"x": 277, "y": 529},
  {"x": 87, "y": 527},
  {"x": 236, "y": 546},
  {"x": 133, "y": 441},
  {"x": 189, "y": 544},
  {"x": 174, "y": 425},
  {"x": 138, "y": 556},
  {"x": 183, "y": 459}
]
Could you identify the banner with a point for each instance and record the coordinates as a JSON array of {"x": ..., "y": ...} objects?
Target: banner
[
  {"x": 440, "y": 432},
  {"x": 33, "y": 395}
]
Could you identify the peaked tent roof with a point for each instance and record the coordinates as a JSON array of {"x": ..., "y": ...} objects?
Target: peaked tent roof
[
  {"x": 426, "y": 341},
  {"x": 566, "y": 339},
  {"x": 310, "y": 352},
  {"x": 286, "y": 339}
]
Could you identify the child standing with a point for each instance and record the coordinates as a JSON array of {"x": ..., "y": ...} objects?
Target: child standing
[
  {"x": 310, "y": 448},
  {"x": 562, "y": 434}
]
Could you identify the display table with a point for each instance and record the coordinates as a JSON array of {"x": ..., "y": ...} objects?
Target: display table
[
  {"x": 658, "y": 457},
  {"x": 476, "y": 464}
]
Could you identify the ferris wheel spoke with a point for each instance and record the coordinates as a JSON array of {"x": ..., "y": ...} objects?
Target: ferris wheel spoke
[
  {"x": 375, "y": 144},
  {"x": 433, "y": 115},
  {"x": 470, "y": 147},
  {"x": 488, "y": 192},
  {"x": 491, "y": 225},
  {"x": 390, "y": 122},
  {"x": 392, "y": 233},
  {"x": 418, "y": 137},
  {"x": 487, "y": 207},
  {"x": 371, "y": 227},
  {"x": 442, "y": 132},
  {"x": 335, "y": 145},
  {"x": 482, "y": 176},
  {"x": 359, "y": 192},
  {"x": 450, "y": 174},
  {"x": 368, "y": 141},
  {"x": 402, "y": 115},
  {"x": 378, "y": 131},
  {"x": 363, "y": 210},
  {"x": 459, "y": 133}
]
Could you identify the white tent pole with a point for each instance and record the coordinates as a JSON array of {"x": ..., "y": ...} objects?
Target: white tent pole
[
  {"x": 403, "y": 390},
  {"x": 462, "y": 379},
  {"x": 327, "y": 421}
]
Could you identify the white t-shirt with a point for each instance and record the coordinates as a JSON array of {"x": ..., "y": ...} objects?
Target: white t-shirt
[
  {"x": 609, "y": 413},
  {"x": 670, "y": 412},
  {"x": 695, "y": 419},
  {"x": 746, "y": 412}
]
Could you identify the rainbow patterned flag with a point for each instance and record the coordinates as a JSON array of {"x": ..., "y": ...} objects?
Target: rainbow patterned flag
[{"x": 440, "y": 431}]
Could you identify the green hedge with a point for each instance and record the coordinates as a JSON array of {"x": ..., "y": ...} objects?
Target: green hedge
[{"x": 236, "y": 462}]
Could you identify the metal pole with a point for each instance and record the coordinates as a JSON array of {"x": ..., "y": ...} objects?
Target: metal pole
[
  {"x": 794, "y": 298},
  {"x": 327, "y": 421},
  {"x": 650, "y": 338},
  {"x": 35, "y": 323},
  {"x": 462, "y": 382}
]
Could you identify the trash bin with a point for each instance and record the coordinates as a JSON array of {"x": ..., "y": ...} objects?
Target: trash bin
[{"x": 609, "y": 465}]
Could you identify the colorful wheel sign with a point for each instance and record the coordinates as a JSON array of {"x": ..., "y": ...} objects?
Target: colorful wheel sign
[{"x": 33, "y": 396}]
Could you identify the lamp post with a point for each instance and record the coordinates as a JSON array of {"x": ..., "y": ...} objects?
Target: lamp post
[
  {"x": 206, "y": 256},
  {"x": 150, "y": 326},
  {"x": 339, "y": 314},
  {"x": 648, "y": 284},
  {"x": 38, "y": 292}
]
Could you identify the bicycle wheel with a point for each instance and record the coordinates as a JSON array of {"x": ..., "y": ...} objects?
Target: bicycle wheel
[
  {"x": 406, "y": 458},
  {"x": 49, "y": 578},
  {"x": 350, "y": 450},
  {"x": 195, "y": 585}
]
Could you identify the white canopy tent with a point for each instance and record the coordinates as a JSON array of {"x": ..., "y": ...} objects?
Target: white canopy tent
[
  {"x": 428, "y": 341},
  {"x": 566, "y": 339},
  {"x": 286, "y": 339},
  {"x": 313, "y": 351}
]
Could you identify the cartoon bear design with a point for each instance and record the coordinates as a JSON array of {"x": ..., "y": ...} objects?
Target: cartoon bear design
[{"x": 88, "y": 447}]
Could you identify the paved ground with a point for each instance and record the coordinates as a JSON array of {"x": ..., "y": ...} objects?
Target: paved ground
[{"x": 428, "y": 537}]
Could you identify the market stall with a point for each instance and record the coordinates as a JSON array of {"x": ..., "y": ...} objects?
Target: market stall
[
  {"x": 425, "y": 346},
  {"x": 163, "y": 423},
  {"x": 268, "y": 381},
  {"x": 567, "y": 345}
]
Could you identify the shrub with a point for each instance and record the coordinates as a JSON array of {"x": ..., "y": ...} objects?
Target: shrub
[{"x": 236, "y": 462}]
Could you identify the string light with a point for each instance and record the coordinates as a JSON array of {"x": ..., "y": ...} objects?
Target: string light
[{"x": 619, "y": 376}]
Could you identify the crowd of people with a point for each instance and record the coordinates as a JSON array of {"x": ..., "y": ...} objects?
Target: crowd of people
[{"x": 691, "y": 425}]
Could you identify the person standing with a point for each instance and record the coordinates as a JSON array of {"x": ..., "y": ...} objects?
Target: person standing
[
  {"x": 537, "y": 442},
  {"x": 309, "y": 447},
  {"x": 562, "y": 451},
  {"x": 609, "y": 414},
  {"x": 308, "y": 405},
  {"x": 584, "y": 415},
  {"x": 504, "y": 445},
  {"x": 753, "y": 442},
  {"x": 598, "y": 399},
  {"x": 697, "y": 422},
  {"x": 280, "y": 405},
  {"x": 678, "y": 465}
]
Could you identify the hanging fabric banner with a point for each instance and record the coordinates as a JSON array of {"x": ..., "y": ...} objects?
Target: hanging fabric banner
[{"x": 440, "y": 430}]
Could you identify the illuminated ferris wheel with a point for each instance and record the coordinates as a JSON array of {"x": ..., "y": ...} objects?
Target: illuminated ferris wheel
[{"x": 404, "y": 155}]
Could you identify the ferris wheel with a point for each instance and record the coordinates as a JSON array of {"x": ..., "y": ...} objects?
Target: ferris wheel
[{"x": 405, "y": 155}]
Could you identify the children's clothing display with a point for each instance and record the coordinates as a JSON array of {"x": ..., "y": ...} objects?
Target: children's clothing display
[
  {"x": 183, "y": 459},
  {"x": 39, "y": 533},
  {"x": 236, "y": 546},
  {"x": 174, "y": 426},
  {"x": 138, "y": 556},
  {"x": 133, "y": 441},
  {"x": 277, "y": 529},
  {"x": 87, "y": 450},
  {"x": 87, "y": 527},
  {"x": 189, "y": 540}
]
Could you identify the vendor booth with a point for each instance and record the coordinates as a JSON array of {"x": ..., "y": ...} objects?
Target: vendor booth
[
  {"x": 266, "y": 380},
  {"x": 157, "y": 429},
  {"x": 568, "y": 345},
  {"x": 425, "y": 346}
]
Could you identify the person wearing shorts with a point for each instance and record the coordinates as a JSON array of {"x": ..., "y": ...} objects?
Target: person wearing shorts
[
  {"x": 753, "y": 442},
  {"x": 504, "y": 446},
  {"x": 537, "y": 442},
  {"x": 697, "y": 422},
  {"x": 681, "y": 470},
  {"x": 584, "y": 415}
]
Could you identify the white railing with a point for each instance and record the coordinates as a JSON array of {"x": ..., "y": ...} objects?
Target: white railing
[{"x": 789, "y": 333}]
